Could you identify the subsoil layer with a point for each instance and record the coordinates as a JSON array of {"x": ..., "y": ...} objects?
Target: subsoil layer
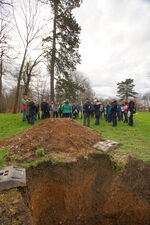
[{"x": 89, "y": 192}]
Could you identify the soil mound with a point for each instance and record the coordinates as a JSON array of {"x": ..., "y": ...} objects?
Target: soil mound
[{"x": 63, "y": 139}]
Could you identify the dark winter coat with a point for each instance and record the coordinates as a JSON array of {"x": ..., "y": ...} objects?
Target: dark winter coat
[
  {"x": 114, "y": 108},
  {"x": 88, "y": 107},
  {"x": 97, "y": 109},
  {"x": 32, "y": 108},
  {"x": 132, "y": 107},
  {"x": 44, "y": 106}
]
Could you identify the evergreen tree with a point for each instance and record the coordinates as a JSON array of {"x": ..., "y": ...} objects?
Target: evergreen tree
[
  {"x": 75, "y": 88},
  {"x": 125, "y": 89},
  {"x": 68, "y": 89},
  {"x": 62, "y": 48}
]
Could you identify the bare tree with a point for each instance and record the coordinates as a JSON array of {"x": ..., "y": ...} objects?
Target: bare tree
[
  {"x": 5, "y": 48},
  {"x": 29, "y": 72},
  {"x": 5, "y": 3},
  {"x": 146, "y": 99},
  {"x": 82, "y": 80},
  {"x": 29, "y": 14}
]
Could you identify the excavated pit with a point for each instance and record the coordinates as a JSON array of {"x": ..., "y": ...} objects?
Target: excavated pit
[
  {"x": 89, "y": 192},
  {"x": 85, "y": 186}
]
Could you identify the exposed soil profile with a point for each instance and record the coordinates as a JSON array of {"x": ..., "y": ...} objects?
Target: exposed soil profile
[{"x": 89, "y": 192}]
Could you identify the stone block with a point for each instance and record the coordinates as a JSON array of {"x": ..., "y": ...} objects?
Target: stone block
[
  {"x": 12, "y": 177},
  {"x": 107, "y": 145}
]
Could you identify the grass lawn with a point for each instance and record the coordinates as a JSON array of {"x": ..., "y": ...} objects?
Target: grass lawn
[
  {"x": 10, "y": 125},
  {"x": 135, "y": 140}
]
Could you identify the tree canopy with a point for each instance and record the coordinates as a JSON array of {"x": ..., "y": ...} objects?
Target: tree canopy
[
  {"x": 62, "y": 48},
  {"x": 125, "y": 89}
]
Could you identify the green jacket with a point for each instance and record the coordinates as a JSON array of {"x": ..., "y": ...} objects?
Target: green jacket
[{"x": 66, "y": 108}]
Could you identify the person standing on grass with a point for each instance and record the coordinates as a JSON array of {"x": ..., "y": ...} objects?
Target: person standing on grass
[
  {"x": 131, "y": 111},
  {"x": 60, "y": 112},
  {"x": 24, "y": 107},
  {"x": 119, "y": 112},
  {"x": 74, "y": 111},
  {"x": 27, "y": 111},
  {"x": 32, "y": 111},
  {"x": 97, "y": 112},
  {"x": 87, "y": 110},
  {"x": 122, "y": 111},
  {"x": 48, "y": 108},
  {"x": 67, "y": 109},
  {"x": 125, "y": 109},
  {"x": 114, "y": 113},
  {"x": 54, "y": 110},
  {"x": 43, "y": 109},
  {"x": 109, "y": 113},
  {"x": 37, "y": 110}
]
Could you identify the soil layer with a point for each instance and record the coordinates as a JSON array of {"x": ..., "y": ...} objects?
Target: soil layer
[{"x": 89, "y": 192}]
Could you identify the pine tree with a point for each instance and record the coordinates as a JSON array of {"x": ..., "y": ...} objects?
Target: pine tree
[
  {"x": 68, "y": 89},
  {"x": 62, "y": 53},
  {"x": 125, "y": 89}
]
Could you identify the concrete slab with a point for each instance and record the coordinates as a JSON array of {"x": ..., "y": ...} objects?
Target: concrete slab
[
  {"x": 107, "y": 146},
  {"x": 12, "y": 177}
]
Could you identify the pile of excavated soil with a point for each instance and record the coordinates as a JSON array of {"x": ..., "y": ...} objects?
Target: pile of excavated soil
[{"x": 63, "y": 139}]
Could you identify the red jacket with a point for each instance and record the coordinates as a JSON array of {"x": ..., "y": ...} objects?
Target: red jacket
[{"x": 126, "y": 106}]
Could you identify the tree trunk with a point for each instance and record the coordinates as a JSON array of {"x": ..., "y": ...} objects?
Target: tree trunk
[
  {"x": 52, "y": 64},
  {"x": 26, "y": 88},
  {"x": 1, "y": 75},
  {"x": 15, "y": 108}
]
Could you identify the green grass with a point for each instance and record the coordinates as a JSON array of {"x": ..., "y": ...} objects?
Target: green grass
[
  {"x": 10, "y": 125},
  {"x": 3, "y": 155},
  {"x": 135, "y": 140}
]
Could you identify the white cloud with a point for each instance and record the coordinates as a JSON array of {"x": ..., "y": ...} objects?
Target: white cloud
[{"x": 115, "y": 43}]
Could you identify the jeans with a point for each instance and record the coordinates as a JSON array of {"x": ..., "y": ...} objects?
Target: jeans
[
  {"x": 55, "y": 114},
  {"x": 23, "y": 114},
  {"x": 114, "y": 120},
  {"x": 97, "y": 120},
  {"x": 32, "y": 119}
]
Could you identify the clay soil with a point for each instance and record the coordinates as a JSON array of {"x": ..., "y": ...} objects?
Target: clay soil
[{"x": 63, "y": 139}]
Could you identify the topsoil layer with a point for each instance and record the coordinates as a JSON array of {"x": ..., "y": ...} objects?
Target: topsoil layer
[{"x": 63, "y": 139}]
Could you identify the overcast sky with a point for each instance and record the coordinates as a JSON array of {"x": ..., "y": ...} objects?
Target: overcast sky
[{"x": 115, "y": 43}]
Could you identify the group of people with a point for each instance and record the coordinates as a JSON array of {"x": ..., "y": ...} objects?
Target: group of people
[
  {"x": 112, "y": 111},
  {"x": 33, "y": 110}
]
